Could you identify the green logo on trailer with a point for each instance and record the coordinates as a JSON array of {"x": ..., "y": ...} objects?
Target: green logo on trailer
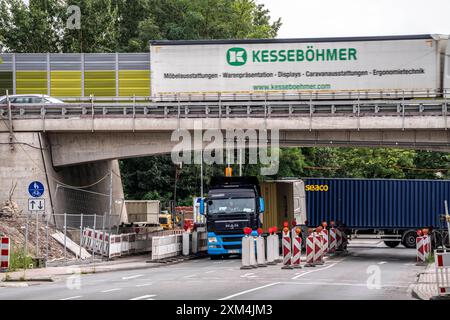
[{"x": 236, "y": 57}]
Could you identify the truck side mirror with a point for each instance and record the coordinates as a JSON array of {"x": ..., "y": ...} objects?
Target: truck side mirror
[
  {"x": 202, "y": 206},
  {"x": 261, "y": 205}
]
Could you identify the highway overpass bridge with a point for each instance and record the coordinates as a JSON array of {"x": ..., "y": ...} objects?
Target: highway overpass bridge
[{"x": 78, "y": 143}]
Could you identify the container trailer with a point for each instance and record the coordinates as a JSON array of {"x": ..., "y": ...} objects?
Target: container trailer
[{"x": 390, "y": 209}]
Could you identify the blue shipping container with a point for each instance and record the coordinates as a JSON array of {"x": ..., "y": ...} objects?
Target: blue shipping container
[{"x": 376, "y": 203}]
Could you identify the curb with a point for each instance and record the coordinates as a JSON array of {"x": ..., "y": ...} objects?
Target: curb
[{"x": 103, "y": 269}]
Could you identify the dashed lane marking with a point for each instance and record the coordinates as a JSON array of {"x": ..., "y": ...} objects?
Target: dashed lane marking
[
  {"x": 382, "y": 262},
  {"x": 250, "y": 290},
  {"x": 144, "y": 284},
  {"x": 146, "y": 297},
  {"x": 110, "y": 290},
  {"x": 71, "y": 298},
  {"x": 132, "y": 277}
]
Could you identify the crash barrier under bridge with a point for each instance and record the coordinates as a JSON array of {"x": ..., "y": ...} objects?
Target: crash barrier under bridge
[
  {"x": 260, "y": 252},
  {"x": 442, "y": 265},
  {"x": 161, "y": 244}
]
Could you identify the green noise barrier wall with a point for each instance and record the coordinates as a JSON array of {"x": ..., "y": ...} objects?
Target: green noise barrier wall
[{"x": 75, "y": 75}]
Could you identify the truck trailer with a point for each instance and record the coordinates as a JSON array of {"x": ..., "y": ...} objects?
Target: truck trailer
[
  {"x": 390, "y": 209},
  {"x": 393, "y": 67}
]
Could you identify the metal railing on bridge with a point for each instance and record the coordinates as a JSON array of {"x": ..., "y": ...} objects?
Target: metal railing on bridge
[{"x": 237, "y": 105}]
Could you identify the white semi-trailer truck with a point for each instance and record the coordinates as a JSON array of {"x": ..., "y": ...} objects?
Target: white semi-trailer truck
[{"x": 346, "y": 68}]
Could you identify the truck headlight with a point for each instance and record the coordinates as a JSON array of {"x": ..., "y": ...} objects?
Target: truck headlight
[{"x": 212, "y": 239}]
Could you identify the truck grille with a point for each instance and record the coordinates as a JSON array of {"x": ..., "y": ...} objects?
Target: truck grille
[
  {"x": 232, "y": 246},
  {"x": 231, "y": 239}
]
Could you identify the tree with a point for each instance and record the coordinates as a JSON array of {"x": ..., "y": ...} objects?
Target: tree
[{"x": 33, "y": 28}]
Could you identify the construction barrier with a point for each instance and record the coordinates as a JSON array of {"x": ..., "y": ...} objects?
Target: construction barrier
[
  {"x": 260, "y": 250},
  {"x": 310, "y": 252},
  {"x": 422, "y": 249},
  {"x": 318, "y": 248},
  {"x": 270, "y": 249},
  {"x": 276, "y": 247},
  {"x": 115, "y": 246},
  {"x": 339, "y": 240},
  {"x": 5, "y": 250},
  {"x": 186, "y": 243},
  {"x": 245, "y": 256},
  {"x": 287, "y": 250},
  {"x": 253, "y": 262},
  {"x": 166, "y": 246},
  {"x": 442, "y": 265},
  {"x": 332, "y": 243},
  {"x": 324, "y": 235},
  {"x": 296, "y": 251}
]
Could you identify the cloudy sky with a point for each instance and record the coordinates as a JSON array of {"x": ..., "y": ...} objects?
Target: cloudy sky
[{"x": 322, "y": 18}]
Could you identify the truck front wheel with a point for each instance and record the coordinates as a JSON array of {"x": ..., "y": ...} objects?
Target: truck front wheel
[
  {"x": 392, "y": 244},
  {"x": 409, "y": 239}
]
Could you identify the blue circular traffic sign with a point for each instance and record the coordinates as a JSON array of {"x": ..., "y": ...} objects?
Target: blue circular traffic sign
[{"x": 36, "y": 189}]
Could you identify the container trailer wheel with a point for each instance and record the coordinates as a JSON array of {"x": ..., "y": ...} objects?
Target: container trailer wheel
[
  {"x": 392, "y": 244},
  {"x": 409, "y": 239}
]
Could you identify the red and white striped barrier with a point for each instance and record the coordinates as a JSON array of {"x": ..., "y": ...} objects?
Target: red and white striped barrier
[
  {"x": 442, "y": 265},
  {"x": 318, "y": 249},
  {"x": 310, "y": 252},
  {"x": 339, "y": 235},
  {"x": 296, "y": 251},
  {"x": 332, "y": 241},
  {"x": 5, "y": 250},
  {"x": 287, "y": 254},
  {"x": 324, "y": 235},
  {"x": 115, "y": 246},
  {"x": 422, "y": 248}
]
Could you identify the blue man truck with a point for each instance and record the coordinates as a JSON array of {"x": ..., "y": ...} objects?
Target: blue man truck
[{"x": 234, "y": 203}]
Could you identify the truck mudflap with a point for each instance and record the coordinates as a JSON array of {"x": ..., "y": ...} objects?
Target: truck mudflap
[{"x": 226, "y": 244}]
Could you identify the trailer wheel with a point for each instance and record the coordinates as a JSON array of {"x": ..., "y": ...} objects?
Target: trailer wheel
[
  {"x": 392, "y": 244},
  {"x": 409, "y": 239}
]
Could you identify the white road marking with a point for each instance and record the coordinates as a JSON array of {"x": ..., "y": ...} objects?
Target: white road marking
[
  {"x": 248, "y": 291},
  {"x": 382, "y": 262},
  {"x": 146, "y": 297},
  {"x": 132, "y": 277},
  {"x": 211, "y": 271},
  {"x": 70, "y": 298},
  {"x": 111, "y": 290},
  {"x": 308, "y": 272},
  {"x": 189, "y": 276},
  {"x": 144, "y": 284},
  {"x": 217, "y": 262},
  {"x": 247, "y": 274},
  {"x": 343, "y": 284}
]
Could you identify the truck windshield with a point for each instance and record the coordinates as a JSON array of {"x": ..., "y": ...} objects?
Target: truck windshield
[
  {"x": 231, "y": 205},
  {"x": 163, "y": 220}
]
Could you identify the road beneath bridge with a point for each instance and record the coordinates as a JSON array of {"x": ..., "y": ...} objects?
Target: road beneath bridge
[{"x": 369, "y": 271}]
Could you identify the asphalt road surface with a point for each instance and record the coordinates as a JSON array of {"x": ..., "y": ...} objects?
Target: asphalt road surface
[{"x": 369, "y": 271}]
